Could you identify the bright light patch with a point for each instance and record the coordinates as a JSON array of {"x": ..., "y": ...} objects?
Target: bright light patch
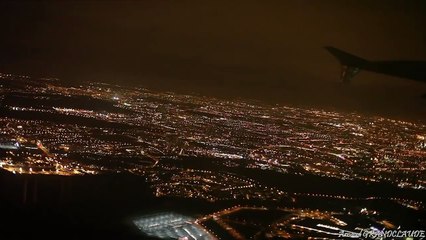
[{"x": 171, "y": 226}]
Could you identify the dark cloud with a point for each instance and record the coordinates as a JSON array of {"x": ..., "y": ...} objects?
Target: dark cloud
[{"x": 269, "y": 50}]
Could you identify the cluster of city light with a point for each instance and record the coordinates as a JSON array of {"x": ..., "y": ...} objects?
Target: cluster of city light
[
  {"x": 143, "y": 126},
  {"x": 291, "y": 222}
]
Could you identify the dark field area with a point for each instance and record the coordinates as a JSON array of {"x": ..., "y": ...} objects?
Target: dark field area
[{"x": 308, "y": 183}]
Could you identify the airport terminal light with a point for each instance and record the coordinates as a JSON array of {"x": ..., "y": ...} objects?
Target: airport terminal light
[{"x": 171, "y": 226}]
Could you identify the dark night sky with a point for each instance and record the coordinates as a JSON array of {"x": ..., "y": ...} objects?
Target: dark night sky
[{"x": 268, "y": 50}]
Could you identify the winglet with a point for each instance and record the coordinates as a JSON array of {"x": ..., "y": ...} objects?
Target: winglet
[{"x": 351, "y": 64}]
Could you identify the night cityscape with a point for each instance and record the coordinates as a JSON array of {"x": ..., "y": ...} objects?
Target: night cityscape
[{"x": 83, "y": 156}]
